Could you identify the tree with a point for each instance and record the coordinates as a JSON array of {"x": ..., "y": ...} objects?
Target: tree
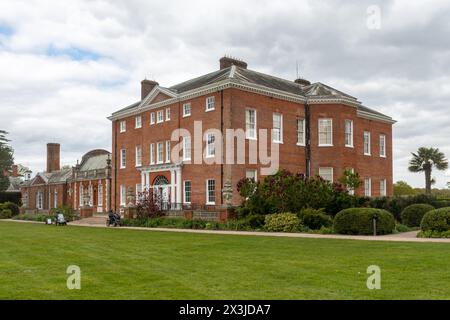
[
  {"x": 351, "y": 180},
  {"x": 6, "y": 160},
  {"x": 149, "y": 205},
  {"x": 424, "y": 160},
  {"x": 402, "y": 188}
]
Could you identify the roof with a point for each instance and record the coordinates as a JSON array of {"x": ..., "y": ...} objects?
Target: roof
[
  {"x": 14, "y": 184},
  {"x": 316, "y": 91},
  {"x": 95, "y": 163}
]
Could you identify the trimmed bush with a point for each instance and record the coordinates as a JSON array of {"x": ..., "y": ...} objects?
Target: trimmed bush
[
  {"x": 359, "y": 221},
  {"x": 10, "y": 206},
  {"x": 433, "y": 234},
  {"x": 5, "y": 214},
  {"x": 282, "y": 222},
  {"x": 436, "y": 220},
  {"x": 33, "y": 217},
  {"x": 413, "y": 214},
  {"x": 315, "y": 219}
]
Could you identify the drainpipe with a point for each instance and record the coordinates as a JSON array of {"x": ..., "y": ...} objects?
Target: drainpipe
[
  {"x": 115, "y": 166},
  {"x": 308, "y": 138},
  {"x": 222, "y": 153}
]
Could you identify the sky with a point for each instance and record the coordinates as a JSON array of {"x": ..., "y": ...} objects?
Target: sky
[{"x": 67, "y": 65}]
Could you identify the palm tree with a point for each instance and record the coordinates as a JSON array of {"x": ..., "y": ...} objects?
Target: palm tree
[{"x": 424, "y": 161}]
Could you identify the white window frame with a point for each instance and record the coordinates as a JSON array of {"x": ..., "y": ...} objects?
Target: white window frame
[
  {"x": 187, "y": 148},
  {"x": 254, "y": 173},
  {"x": 383, "y": 187},
  {"x": 368, "y": 187},
  {"x": 367, "y": 143},
  {"x": 152, "y": 153},
  {"x": 55, "y": 199},
  {"x": 210, "y": 145},
  {"x": 138, "y": 122},
  {"x": 152, "y": 118},
  {"x": 138, "y": 191},
  {"x": 160, "y": 116},
  {"x": 167, "y": 114},
  {"x": 208, "y": 202},
  {"x": 81, "y": 196},
  {"x": 168, "y": 151},
  {"x": 160, "y": 152},
  {"x": 348, "y": 135},
  {"x": 302, "y": 134},
  {"x": 331, "y": 172},
  {"x": 185, "y": 114},
  {"x": 123, "y": 195},
  {"x": 123, "y": 126},
  {"x": 100, "y": 195},
  {"x": 210, "y": 104},
  {"x": 185, "y": 192},
  {"x": 280, "y": 137},
  {"x": 250, "y": 128},
  {"x": 40, "y": 200},
  {"x": 320, "y": 126},
  {"x": 382, "y": 145},
  {"x": 123, "y": 158},
  {"x": 138, "y": 156},
  {"x": 351, "y": 191}
]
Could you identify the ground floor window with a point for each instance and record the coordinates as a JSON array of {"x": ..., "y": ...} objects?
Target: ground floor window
[
  {"x": 251, "y": 174},
  {"x": 100, "y": 195},
  {"x": 123, "y": 195},
  {"x": 326, "y": 174},
  {"x": 368, "y": 187},
  {"x": 383, "y": 188},
  {"x": 40, "y": 200},
  {"x": 187, "y": 192},
  {"x": 55, "y": 199},
  {"x": 211, "y": 191}
]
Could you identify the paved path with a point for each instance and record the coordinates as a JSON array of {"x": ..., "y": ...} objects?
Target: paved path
[{"x": 398, "y": 237}]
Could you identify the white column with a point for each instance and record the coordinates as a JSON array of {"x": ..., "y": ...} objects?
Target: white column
[
  {"x": 147, "y": 179},
  {"x": 107, "y": 195},
  {"x": 179, "y": 185},
  {"x": 143, "y": 180},
  {"x": 172, "y": 187}
]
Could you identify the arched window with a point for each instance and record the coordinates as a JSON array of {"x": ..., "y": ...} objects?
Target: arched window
[{"x": 161, "y": 181}]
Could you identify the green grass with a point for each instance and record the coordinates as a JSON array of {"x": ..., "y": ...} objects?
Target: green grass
[{"x": 128, "y": 264}]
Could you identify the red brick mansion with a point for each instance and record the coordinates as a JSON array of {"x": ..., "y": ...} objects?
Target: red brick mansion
[{"x": 194, "y": 141}]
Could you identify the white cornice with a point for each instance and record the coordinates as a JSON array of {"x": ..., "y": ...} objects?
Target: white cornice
[{"x": 371, "y": 116}]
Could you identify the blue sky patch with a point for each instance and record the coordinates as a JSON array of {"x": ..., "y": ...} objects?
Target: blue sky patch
[
  {"x": 5, "y": 30},
  {"x": 74, "y": 53}
]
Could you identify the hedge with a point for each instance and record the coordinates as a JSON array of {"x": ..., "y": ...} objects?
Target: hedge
[
  {"x": 413, "y": 214},
  {"x": 359, "y": 221},
  {"x": 282, "y": 222},
  {"x": 436, "y": 220},
  {"x": 315, "y": 219}
]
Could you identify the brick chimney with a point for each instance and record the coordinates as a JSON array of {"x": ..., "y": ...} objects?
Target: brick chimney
[
  {"x": 53, "y": 157},
  {"x": 146, "y": 87},
  {"x": 14, "y": 170},
  {"x": 226, "y": 62}
]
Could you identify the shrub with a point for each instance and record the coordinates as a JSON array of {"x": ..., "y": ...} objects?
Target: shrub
[
  {"x": 10, "y": 206},
  {"x": 14, "y": 197},
  {"x": 255, "y": 221},
  {"x": 6, "y": 214},
  {"x": 282, "y": 222},
  {"x": 360, "y": 221},
  {"x": 33, "y": 217},
  {"x": 396, "y": 205},
  {"x": 67, "y": 211},
  {"x": 433, "y": 234},
  {"x": 412, "y": 215},
  {"x": 436, "y": 220},
  {"x": 314, "y": 219},
  {"x": 402, "y": 228}
]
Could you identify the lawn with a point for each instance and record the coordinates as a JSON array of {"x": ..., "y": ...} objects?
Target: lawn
[{"x": 128, "y": 264}]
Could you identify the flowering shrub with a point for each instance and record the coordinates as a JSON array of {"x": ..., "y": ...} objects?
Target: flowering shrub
[
  {"x": 282, "y": 222},
  {"x": 149, "y": 205}
]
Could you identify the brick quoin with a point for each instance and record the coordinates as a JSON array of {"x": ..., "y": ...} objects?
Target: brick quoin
[{"x": 231, "y": 103}]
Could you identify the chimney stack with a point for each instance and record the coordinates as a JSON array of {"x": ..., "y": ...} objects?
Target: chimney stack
[
  {"x": 53, "y": 157},
  {"x": 15, "y": 170},
  {"x": 146, "y": 87},
  {"x": 226, "y": 62}
]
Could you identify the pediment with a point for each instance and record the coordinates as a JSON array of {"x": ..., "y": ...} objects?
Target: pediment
[
  {"x": 158, "y": 94},
  {"x": 38, "y": 180}
]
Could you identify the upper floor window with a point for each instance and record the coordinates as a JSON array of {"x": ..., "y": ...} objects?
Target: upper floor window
[
  {"x": 210, "y": 103},
  {"x": 301, "y": 132},
  {"x": 383, "y": 146},
  {"x": 167, "y": 151},
  {"x": 123, "y": 126},
  {"x": 367, "y": 149},
  {"x": 326, "y": 174},
  {"x": 187, "y": 148},
  {"x": 368, "y": 187},
  {"x": 138, "y": 122},
  {"x": 123, "y": 159},
  {"x": 210, "y": 145},
  {"x": 160, "y": 152},
  {"x": 277, "y": 131},
  {"x": 349, "y": 133},
  {"x": 138, "y": 156},
  {"x": 159, "y": 116},
  {"x": 186, "y": 110},
  {"x": 325, "y": 132},
  {"x": 250, "y": 123},
  {"x": 167, "y": 114},
  {"x": 152, "y": 118}
]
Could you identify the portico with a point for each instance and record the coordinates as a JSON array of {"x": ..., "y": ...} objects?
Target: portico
[{"x": 170, "y": 191}]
